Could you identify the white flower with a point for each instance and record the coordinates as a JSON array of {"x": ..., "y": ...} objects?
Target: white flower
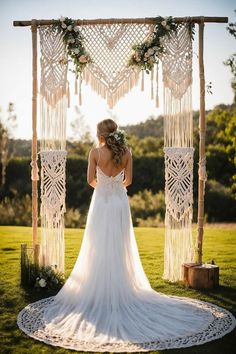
[
  {"x": 62, "y": 18},
  {"x": 83, "y": 59},
  {"x": 167, "y": 27},
  {"x": 63, "y": 25},
  {"x": 76, "y": 50},
  {"x": 146, "y": 54},
  {"x": 76, "y": 29},
  {"x": 42, "y": 283},
  {"x": 71, "y": 40},
  {"x": 150, "y": 51},
  {"x": 69, "y": 28},
  {"x": 164, "y": 23}
]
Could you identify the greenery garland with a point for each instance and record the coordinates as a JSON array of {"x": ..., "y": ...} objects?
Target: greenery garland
[
  {"x": 74, "y": 43},
  {"x": 146, "y": 54}
]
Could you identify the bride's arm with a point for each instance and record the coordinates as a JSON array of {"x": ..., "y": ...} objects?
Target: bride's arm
[
  {"x": 128, "y": 170},
  {"x": 91, "y": 168}
]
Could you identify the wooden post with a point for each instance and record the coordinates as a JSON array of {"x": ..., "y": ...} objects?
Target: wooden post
[
  {"x": 23, "y": 263},
  {"x": 36, "y": 254},
  {"x": 202, "y": 132},
  {"x": 34, "y": 170}
]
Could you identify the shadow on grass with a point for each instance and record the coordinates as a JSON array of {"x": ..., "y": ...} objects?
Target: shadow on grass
[
  {"x": 32, "y": 294},
  {"x": 225, "y": 295}
]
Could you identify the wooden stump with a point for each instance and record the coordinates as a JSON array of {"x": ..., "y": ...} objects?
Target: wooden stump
[{"x": 201, "y": 276}]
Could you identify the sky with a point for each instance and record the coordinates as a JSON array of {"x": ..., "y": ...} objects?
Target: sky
[{"x": 16, "y": 56}]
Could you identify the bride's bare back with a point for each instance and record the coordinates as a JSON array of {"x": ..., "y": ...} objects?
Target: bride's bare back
[{"x": 102, "y": 157}]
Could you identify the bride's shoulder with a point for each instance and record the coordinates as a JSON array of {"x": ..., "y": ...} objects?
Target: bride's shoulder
[
  {"x": 128, "y": 151},
  {"x": 93, "y": 151}
]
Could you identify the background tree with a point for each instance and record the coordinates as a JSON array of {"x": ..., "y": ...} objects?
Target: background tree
[
  {"x": 7, "y": 128},
  {"x": 231, "y": 62}
]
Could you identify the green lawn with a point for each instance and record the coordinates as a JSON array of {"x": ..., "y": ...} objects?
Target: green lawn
[{"x": 219, "y": 244}]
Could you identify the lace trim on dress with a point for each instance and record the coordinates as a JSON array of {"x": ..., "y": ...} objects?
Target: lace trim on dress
[{"x": 30, "y": 320}]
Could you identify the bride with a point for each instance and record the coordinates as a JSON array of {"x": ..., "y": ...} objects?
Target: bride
[{"x": 107, "y": 303}]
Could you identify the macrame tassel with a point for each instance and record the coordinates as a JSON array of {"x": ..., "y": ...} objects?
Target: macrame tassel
[
  {"x": 152, "y": 75},
  {"x": 76, "y": 86},
  {"x": 157, "y": 84},
  {"x": 142, "y": 81},
  {"x": 80, "y": 93},
  {"x": 68, "y": 94}
]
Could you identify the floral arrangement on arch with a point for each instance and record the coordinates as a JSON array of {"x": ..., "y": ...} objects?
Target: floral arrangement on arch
[
  {"x": 146, "y": 54},
  {"x": 74, "y": 43}
]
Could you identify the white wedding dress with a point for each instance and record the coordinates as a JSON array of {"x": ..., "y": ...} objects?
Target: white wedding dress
[{"x": 107, "y": 303}]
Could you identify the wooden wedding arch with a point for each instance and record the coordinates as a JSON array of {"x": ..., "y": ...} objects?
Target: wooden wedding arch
[{"x": 200, "y": 21}]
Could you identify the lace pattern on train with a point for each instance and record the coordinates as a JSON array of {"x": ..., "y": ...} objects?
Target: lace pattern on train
[{"x": 30, "y": 320}]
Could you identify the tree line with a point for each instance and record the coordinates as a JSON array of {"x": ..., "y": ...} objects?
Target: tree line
[{"x": 146, "y": 193}]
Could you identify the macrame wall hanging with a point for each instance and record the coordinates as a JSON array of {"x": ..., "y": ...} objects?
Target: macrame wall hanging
[
  {"x": 53, "y": 106},
  {"x": 109, "y": 46},
  {"x": 178, "y": 148}
]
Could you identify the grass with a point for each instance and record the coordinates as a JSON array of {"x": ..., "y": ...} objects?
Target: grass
[{"x": 219, "y": 244}]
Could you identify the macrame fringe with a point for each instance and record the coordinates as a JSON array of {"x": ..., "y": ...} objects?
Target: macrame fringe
[
  {"x": 157, "y": 84},
  {"x": 142, "y": 81},
  {"x": 178, "y": 248},
  {"x": 178, "y": 122},
  {"x": 68, "y": 94},
  {"x": 101, "y": 89},
  {"x": 76, "y": 86},
  {"x": 80, "y": 91},
  {"x": 152, "y": 90},
  {"x": 52, "y": 247},
  {"x": 53, "y": 124}
]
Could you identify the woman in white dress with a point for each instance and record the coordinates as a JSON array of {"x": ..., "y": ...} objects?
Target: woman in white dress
[{"x": 107, "y": 303}]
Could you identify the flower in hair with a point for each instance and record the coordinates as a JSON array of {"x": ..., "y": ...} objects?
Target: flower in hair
[{"x": 119, "y": 135}]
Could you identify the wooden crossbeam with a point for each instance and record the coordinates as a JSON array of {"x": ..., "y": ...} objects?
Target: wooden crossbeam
[{"x": 195, "y": 19}]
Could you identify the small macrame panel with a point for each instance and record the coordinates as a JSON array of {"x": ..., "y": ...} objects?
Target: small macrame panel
[
  {"x": 53, "y": 89},
  {"x": 53, "y": 189},
  {"x": 179, "y": 182},
  {"x": 109, "y": 46}
]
